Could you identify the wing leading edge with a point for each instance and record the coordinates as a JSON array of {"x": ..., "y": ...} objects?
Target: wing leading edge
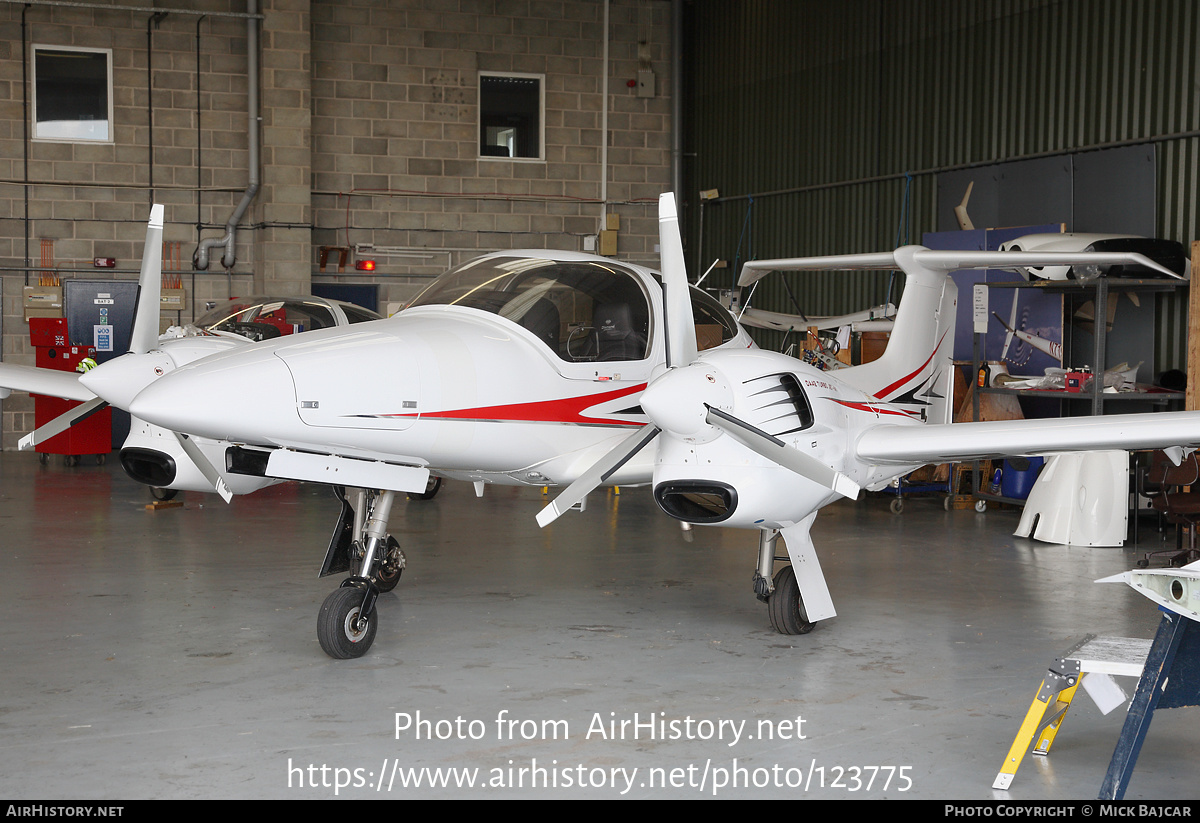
[{"x": 933, "y": 443}]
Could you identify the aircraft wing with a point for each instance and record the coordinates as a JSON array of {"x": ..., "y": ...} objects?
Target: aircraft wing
[
  {"x": 941, "y": 443},
  {"x": 49, "y": 382}
]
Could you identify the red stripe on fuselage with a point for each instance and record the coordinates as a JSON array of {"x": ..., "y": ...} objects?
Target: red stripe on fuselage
[{"x": 559, "y": 410}]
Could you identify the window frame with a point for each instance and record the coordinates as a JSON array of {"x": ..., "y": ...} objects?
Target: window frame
[
  {"x": 541, "y": 127},
  {"x": 37, "y": 48}
]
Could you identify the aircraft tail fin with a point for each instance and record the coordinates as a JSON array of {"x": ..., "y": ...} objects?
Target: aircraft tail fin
[{"x": 915, "y": 371}]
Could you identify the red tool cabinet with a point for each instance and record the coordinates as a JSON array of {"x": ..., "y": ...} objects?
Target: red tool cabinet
[{"x": 92, "y": 435}]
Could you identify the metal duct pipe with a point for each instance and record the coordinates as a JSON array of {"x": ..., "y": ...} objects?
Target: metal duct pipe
[{"x": 229, "y": 241}]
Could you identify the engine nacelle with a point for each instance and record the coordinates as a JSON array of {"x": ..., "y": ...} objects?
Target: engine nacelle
[
  {"x": 724, "y": 483},
  {"x": 153, "y": 456}
]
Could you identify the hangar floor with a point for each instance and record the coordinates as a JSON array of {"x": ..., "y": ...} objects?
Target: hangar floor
[{"x": 172, "y": 653}]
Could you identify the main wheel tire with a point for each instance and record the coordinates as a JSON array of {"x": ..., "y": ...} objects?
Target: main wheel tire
[
  {"x": 159, "y": 493},
  {"x": 897, "y": 505},
  {"x": 432, "y": 487},
  {"x": 785, "y": 607},
  {"x": 335, "y": 625},
  {"x": 390, "y": 569}
]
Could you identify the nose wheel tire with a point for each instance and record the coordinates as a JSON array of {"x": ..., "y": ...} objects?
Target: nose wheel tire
[
  {"x": 341, "y": 634},
  {"x": 785, "y": 606}
]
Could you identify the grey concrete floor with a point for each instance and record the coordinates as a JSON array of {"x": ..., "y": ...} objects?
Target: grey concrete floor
[{"x": 172, "y": 654}]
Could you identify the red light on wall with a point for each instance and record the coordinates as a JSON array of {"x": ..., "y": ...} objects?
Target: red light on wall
[
  {"x": 365, "y": 265},
  {"x": 105, "y": 262}
]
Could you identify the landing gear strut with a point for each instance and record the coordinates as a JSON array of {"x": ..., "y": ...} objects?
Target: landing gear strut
[
  {"x": 785, "y": 606},
  {"x": 347, "y": 622}
]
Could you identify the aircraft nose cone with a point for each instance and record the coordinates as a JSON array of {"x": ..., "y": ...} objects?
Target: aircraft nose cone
[
  {"x": 120, "y": 380},
  {"x": 226, "y": 397}
]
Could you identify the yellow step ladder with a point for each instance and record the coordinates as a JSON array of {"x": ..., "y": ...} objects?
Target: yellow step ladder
[{"x": 1101, "y": 657}]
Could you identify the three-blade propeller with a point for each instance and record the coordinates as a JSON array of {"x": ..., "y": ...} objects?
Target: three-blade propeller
[
  {"x": 121, "y": 379},
  {"x": 143, "y": 339},
  {"x": 682, "y": 404}
]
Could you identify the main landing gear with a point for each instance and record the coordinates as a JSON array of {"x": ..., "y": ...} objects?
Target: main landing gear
[
  {"x": 347, "y": 622},
  {"x": 785, "y": 606}
]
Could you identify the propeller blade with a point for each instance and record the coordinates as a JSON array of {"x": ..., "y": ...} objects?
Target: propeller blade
[
  {"x": 145, "y": 323},
  {"x": 596, "y": 474},
  {"x": 210, "y": 472},
  {"x": 677, "y": 299},
  {"x": 61, "y": 423},
  {"x": 775, "y": 449}
]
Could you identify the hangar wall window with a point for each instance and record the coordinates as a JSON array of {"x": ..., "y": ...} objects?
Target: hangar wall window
[
  {"x": 510, "y": 115},
  {"x": 72, "y": 94}
]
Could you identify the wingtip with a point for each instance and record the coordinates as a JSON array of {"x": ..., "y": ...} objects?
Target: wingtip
[{"x": 156, "y": 216}]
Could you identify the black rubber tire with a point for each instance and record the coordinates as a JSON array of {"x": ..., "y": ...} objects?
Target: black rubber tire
[
  {"x": 897, "y": 505},
  {"x": 431, "y": 489},
  {"x": 337, "y": 638},
  {"x": 785, "y": 607},
  {"x": 159, "y": 493},
  {"x": 386, "y": 580}
]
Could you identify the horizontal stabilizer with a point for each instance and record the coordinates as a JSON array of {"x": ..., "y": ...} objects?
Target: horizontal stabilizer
[{"x": 946, "y": 261}]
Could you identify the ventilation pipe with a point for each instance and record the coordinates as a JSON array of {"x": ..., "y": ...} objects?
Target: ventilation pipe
[{"x": 229, "y": 241}]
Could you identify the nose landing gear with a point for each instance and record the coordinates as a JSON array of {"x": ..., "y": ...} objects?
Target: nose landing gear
[{"x": 347, "y": 622}]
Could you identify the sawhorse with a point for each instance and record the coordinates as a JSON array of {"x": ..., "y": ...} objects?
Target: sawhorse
[{"x": 1168, "y": 668}]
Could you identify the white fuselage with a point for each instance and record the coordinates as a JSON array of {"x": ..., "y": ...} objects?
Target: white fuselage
[{"x": 461, "y": 391}]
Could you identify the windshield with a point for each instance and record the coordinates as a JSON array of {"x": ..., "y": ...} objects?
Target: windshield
[{"x": 583, "y": 310}]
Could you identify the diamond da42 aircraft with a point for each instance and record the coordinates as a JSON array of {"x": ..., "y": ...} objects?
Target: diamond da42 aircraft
[{"x": 563, "y": 369}]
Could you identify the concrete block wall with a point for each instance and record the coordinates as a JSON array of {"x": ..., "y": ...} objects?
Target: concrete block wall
[
  {"x": 92, "y": 199},
  {"x": 368, "y": 131},
  {"x": 395, "y": 129}
]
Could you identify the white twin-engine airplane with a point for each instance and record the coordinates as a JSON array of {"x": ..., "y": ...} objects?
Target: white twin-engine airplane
[{"x": 564, "y": 369}]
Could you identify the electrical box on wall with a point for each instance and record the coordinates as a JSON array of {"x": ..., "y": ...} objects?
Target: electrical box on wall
[
  {"x": 645, "y": 83},
  {"x": 43, "y": 301},
  {"x": 608, "y": 243},
  {"x": 173, "y": 300}
]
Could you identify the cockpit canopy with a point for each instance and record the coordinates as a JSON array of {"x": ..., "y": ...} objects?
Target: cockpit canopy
[
  {"x": 584, "y": 310},
  {"x": 262, "y": 318}
]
